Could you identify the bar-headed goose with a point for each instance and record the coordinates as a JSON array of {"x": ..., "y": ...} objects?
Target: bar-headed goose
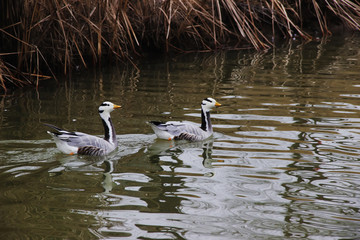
[
  {"x": 187, "y": 130},
  {"x": 85, "y": 144}
]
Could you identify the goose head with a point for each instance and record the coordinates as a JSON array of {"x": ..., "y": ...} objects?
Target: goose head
[
  {"x": 107, "y": 107},
  {"x": 209, "y": 103}
]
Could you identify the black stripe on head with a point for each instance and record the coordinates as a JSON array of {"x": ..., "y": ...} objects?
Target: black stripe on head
[
  {"x": 206, "y": 99},
  {"x": 104, "y": 104},
  {"x": 101, "y": 111},
  {"x": 156, "y": 123}
]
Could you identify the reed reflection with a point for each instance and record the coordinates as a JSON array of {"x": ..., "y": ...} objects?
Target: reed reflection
[{"x": 316, "y": 189}]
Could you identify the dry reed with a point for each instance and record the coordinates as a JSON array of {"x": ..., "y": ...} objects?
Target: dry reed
[{"x": 39, "y": 35}]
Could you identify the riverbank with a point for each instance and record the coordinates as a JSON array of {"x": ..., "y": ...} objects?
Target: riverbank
[{"x": 40, "y": 39}]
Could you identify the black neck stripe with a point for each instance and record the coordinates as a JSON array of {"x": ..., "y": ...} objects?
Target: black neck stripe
[{"x": 107, "y": 130}]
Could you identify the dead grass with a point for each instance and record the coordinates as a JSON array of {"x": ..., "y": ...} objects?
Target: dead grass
[{"x": 43, "y": 34}]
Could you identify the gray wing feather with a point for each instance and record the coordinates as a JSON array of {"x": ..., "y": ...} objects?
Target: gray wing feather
[
  {"x": 184, "y": 130},
  {"x": 186, "y": 136},
  {"x": 83, "y": 140},
  {"x": 91, "y": 150}
]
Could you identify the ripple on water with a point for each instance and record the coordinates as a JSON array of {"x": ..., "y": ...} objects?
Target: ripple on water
[{"x": 283, "y": 162}]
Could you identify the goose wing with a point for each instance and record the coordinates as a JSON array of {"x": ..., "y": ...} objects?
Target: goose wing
[
  {"x": 79, "y": 139},
  {"x": 174, "y": 128},
  {"x": 179, "y": 130},
  {"x": 85, "y": 143}
]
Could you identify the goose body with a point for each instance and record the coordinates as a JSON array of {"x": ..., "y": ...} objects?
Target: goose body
[
  {"x": 186, "y": 130},
  {"x": 86, "y": 144}
]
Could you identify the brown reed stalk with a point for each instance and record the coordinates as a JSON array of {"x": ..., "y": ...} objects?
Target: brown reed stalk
[
  {"x": 348, "y": 11},
  {"x": 68, "y": 33}
]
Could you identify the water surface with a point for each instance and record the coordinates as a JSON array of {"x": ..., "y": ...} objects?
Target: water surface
[{"x": 283, "y": 162}]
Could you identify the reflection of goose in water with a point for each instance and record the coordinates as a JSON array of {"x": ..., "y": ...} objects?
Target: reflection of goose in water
[
  {"x": 144, "y": 161},
  {"x": 207, "y": 152},
  {"x": 76, "y": 163},
  {"x": 108, "y": 182},
  {"x": 164, "y": 148},
  {"x": 147, "y": 160}
]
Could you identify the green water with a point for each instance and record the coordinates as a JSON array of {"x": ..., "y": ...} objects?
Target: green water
[{"x": 283, "y": 162}]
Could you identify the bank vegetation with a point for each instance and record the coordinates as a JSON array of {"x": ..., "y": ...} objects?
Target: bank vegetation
[{"x": 39, "y": 38}]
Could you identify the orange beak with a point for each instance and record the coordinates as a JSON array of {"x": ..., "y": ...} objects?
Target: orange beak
[
  {"x": 116, "y": 106},
  {"x": 217, "y": 104}
]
